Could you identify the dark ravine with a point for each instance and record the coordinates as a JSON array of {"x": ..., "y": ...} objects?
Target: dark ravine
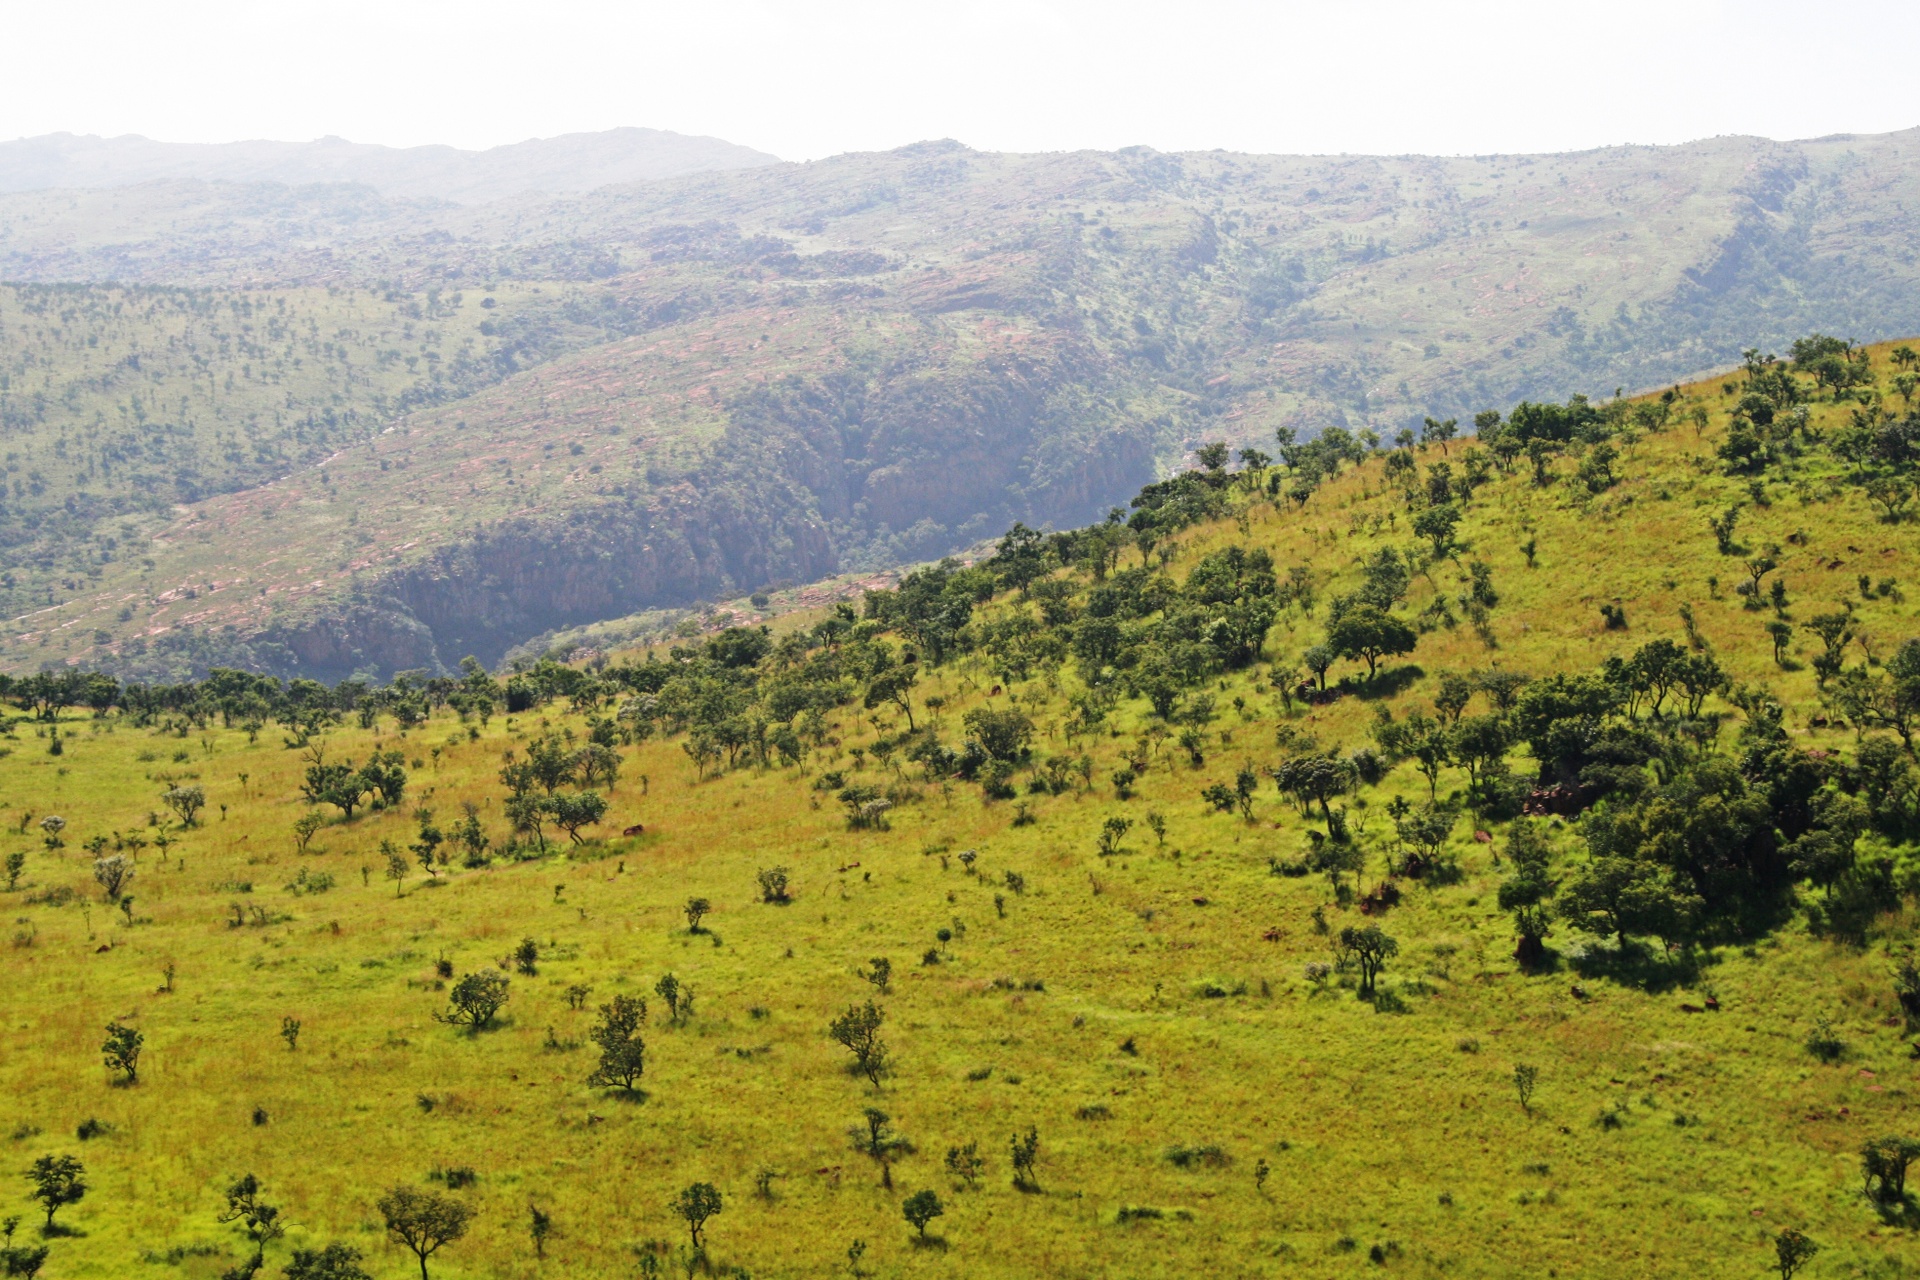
[{"x": 808, "y": 481}]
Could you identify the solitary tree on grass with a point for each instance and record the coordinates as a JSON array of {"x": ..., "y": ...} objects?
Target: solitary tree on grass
[
  {"x": 424, "y": 1221},
  {"x": 858, "y": 1032},
  {"x": 921, "y": 1208},
  {"x": 1370, "y": 949},
  {"x": 623, "y": 1054},
  {"x": 57, "y": 1181},
  {"x": 696, "y": 1204},
  {"x": 475, "y": 1001}
]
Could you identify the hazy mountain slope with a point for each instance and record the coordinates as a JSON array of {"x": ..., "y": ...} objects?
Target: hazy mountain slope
[
  {"x": 569, "y": 162},
  {"x": 880, "y": 357}
]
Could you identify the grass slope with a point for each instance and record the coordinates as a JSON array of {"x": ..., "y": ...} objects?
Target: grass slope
[{"x": 1146, "y": 1012}]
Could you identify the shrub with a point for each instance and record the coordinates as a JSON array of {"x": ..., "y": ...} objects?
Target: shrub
[
  {"x": 1024, "y": 1153},
  {"x": 1824, "y": 1043},
  {"x": 965, "y": 1164},
  {"x": 335, "y": 1262},
  {"x": 773, "y": 886},
  {"x": 696, "y": 910}
]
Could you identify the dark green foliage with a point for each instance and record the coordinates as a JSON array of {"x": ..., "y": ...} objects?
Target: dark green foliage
[
  {"x": 1884, "y": 1162},
  {"x": 696, "y": 1205},
  {"x": 1792, "y": 1250},
  {"x": 1024, "y": 1153},
  {"x": 335, "y": 1262},
  {"x": 920, "y": 1208},
  {"x": 476, "y": 1000},
  {"x": 423, "y": 1221},
  {"x": 57, "y": 1181},
  {"x": 858, "y": 1032},
  {"x": 122, "y": 1051},
  {"x": 1367, "y": 948},
  {"x": 622, "y": 1051}
]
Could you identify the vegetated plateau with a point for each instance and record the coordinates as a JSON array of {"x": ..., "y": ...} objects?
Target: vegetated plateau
[
  {"x": 328, "y": 430},
  {"x": 1468, "y": 855}
]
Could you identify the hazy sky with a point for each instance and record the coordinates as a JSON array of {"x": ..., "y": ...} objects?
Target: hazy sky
[{"x": 807, "y": 78}]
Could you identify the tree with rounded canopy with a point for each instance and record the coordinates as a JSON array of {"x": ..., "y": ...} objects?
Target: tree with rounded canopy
[
  {"x": 921, "y": 1208},
  {"x": 57, "y": 1181},
  {"x": 424, "y": 1221},
  {"x": 1366, "y": 633}
]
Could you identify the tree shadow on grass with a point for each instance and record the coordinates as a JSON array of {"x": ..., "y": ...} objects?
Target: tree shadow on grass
[
  {"x": 1385, "y": 684},
  {"x": 1902, "y": 1213},
  {"x": 933, "y": 1244},
  {"x": 1637, "y": 966},
  {"x": 631, "y": 1097}
]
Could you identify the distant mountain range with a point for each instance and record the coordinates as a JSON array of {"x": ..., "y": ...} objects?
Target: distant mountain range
[
  {"x": 570, "y": 162},
  {"x": 329, "y": 428}
]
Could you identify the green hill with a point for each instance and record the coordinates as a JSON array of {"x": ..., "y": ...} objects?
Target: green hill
[
  {"x": 1121, "y": 810},
  {"x": 791, "y": 371}
]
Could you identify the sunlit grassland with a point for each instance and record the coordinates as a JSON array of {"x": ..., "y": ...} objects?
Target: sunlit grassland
[{"x": 1395, "y": 1131}]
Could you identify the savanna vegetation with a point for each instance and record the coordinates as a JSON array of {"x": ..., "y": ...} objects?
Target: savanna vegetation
[{"x": 1482, "y": 852}]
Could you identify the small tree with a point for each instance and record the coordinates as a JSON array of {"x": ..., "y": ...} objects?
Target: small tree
[
  {"x": 1792, "y": 1250},
  {"x": 114, "y": 873},
  {"x": 122, "y": 1051},
  {"x": 16, "y": 867},
  {"x": 1025, "y": 1152},
  {"x": 696, "y": 909},
  {"x": 305, "y": 827},
  {"x": 539, "y": 1228},
  {"x": 260, "y": 1220},
  {"x": 880, "y": 973},
  {"x": 1525, "y": 1077},
  {"x": 921, "y": 1208},
  {"x": 186, "y": 802},
  {"x": 858, "y": 1032},
  {"x": 1370, "y": 949},
  {"x": 573, "y": 810},
  {"x": 1883, "y": 1164},
  {"x": 290, "y": 1032},
  {"x": 526, "y": 958},
  {"x": 773, "y": 886},
  {"x": 696, "y": 1205},
  {"x": 878, "y": 1143},
  {"x": 396, "y": 865},
  {"x": 965, "y": 1164},
  {"x": 51, "y": 826},
  {"x": 1112, "y": 832},
  {"x": 678, "y": 995},
  {"x": 335, "y": 1262},
  {"x": 475, "y": 1001},
  {"x": 57, "y": 1181},
  {"x": 424, "y": 1221},
  {"x": 623, "y": 1054}
]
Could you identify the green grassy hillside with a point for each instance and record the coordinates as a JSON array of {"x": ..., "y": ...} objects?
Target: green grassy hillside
[
  {"x": 1044, "y": 790},
  {"x": 835, "y": 366}
]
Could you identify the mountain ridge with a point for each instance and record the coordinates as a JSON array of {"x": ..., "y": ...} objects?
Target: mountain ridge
[{"x": 565, "y": 162}]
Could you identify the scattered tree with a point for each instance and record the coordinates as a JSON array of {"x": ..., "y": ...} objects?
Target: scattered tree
[
  {"x": 696, "y": 911},
  {"x": 1368, "y": 948},
  {"x": 623, "y": 1054},
  {"x": 475, "y": 1001},
  {"x": 1792, "y": 1250},
  {"x": 858, "y": 1032},
  {"x": 424, "y": 1221},
  {"x": 57, "y": 1181},
  {"x": 696, "y": 1205},
  {"x": 921, "y": 1208},
  {"x": 1025, "y": 1152},
  {"x": 121, "y": 1051}
]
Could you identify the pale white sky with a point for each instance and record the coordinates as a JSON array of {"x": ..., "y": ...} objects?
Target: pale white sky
[{"x": 807, "y": 78}]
